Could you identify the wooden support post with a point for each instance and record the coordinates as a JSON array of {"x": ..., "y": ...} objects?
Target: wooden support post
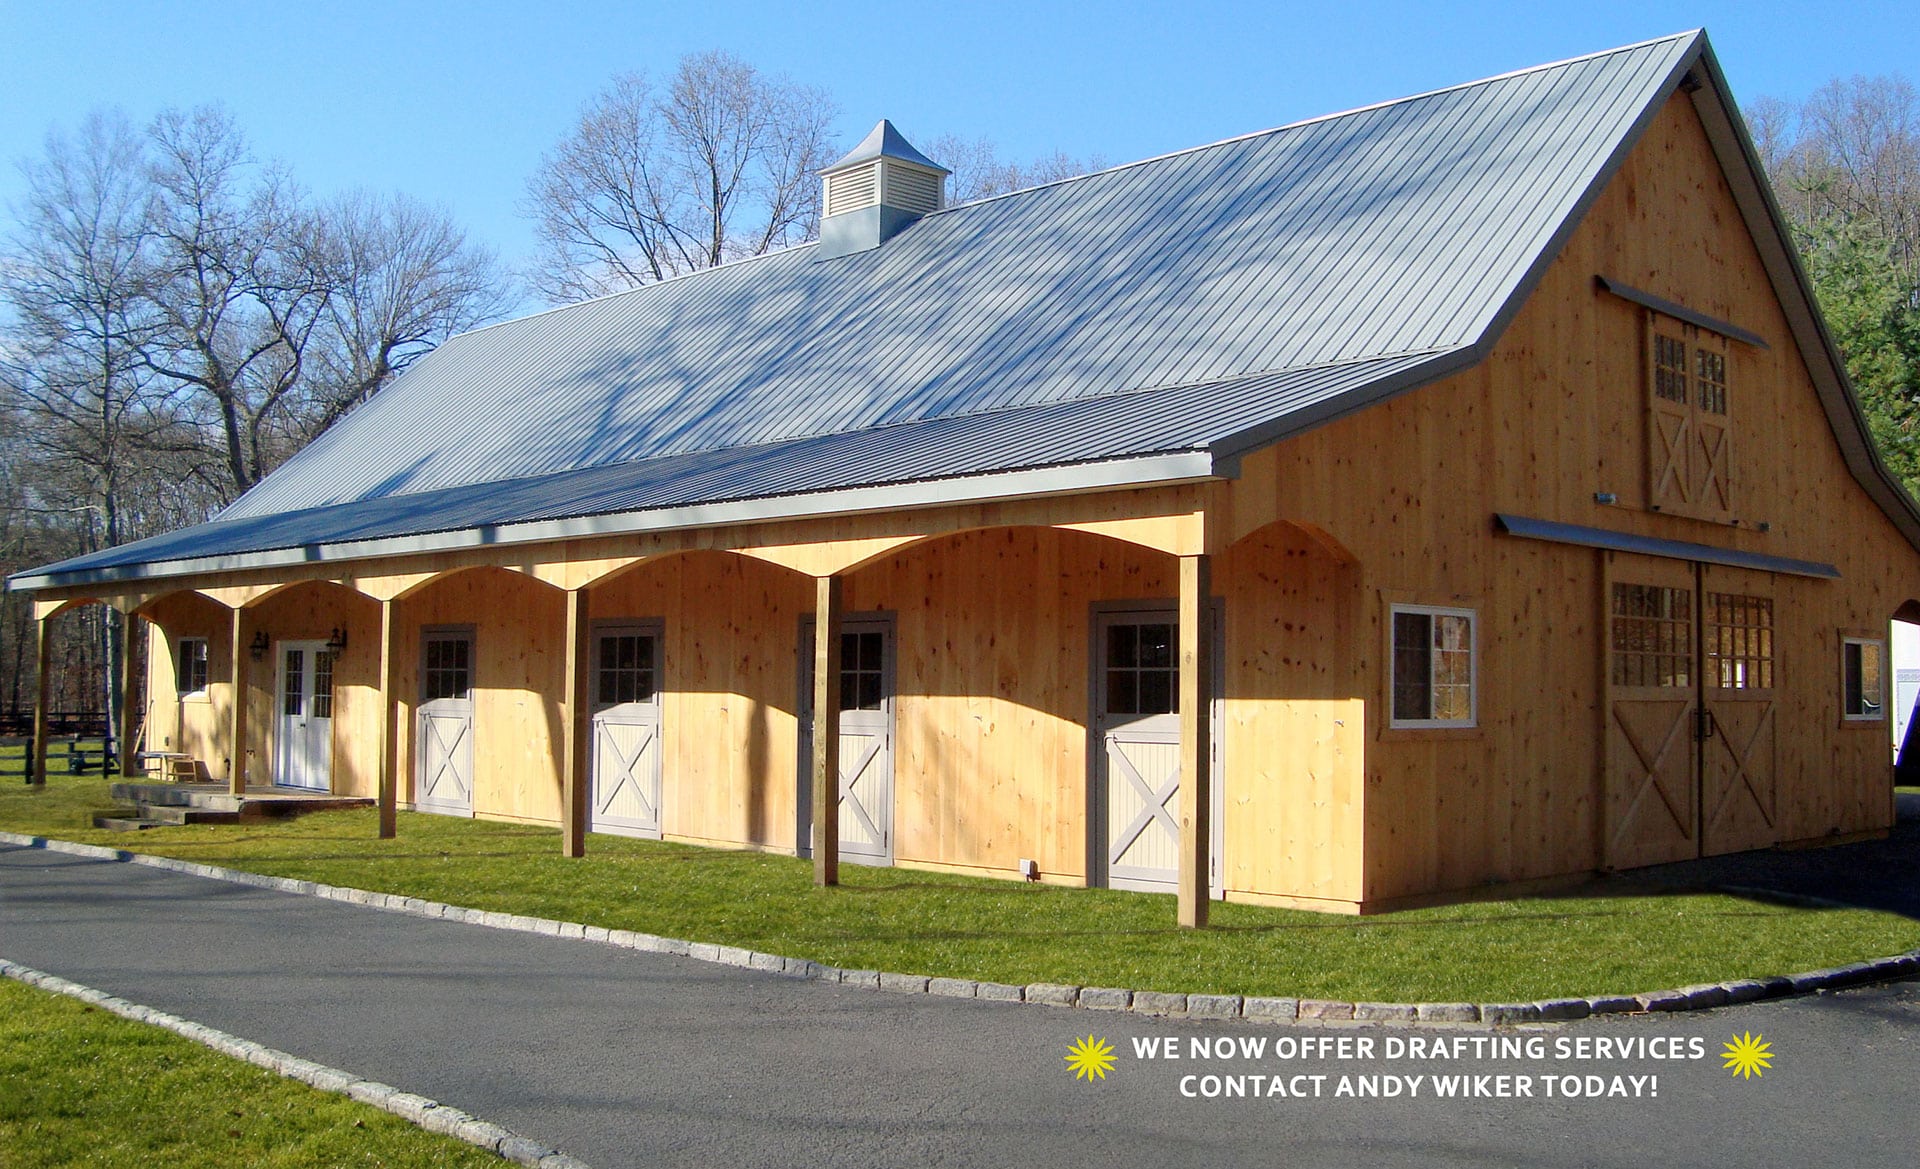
[
  {"x": 237, "y": 726},
  {"x": 389, "y": 741},
  {"x": 43, "y": 688},
  {"x": 123, "y": 744},
  {"x": 574, "y": 734},
  {"x": 826, "y": 732},
  {"x": 1196, "y": 729}
]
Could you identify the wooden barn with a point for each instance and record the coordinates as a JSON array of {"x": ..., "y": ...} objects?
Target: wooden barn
[{"x": 1460, "y": 490}]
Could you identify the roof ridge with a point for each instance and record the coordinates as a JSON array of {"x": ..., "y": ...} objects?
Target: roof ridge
[
  {"x": 1251, "y": 134},
  {"x": 1379, "y": 105}
]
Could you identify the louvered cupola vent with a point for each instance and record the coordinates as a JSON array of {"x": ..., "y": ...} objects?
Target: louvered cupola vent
[{"x": 873, "y": 193}]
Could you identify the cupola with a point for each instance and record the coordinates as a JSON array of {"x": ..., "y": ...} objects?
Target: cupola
[{"x": 872, "y": 194}]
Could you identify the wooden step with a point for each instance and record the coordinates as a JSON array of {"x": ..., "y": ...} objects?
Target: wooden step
[
  {"x": 175, "y": 814},
  {"x": 123, "y": 823}
]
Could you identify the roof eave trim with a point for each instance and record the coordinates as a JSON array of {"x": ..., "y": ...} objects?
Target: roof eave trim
[
  {"x": 1162, "y": 470},
  {"x": 1555, "y": 532}
]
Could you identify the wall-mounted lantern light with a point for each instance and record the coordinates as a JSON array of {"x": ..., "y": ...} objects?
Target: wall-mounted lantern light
[
  {"x": 337, "y": 644},
  {"x": 258, "y": 646}
]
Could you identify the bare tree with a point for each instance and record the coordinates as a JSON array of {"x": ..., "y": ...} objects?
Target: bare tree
[
  {"x": 653, "y": 182},
  {"x": 400, "y": 278},
  {"x": 1851, "y": 154},
  {"x": 76, "y": 284},
  {"x": 238, "y": 289},
  {"x": 979, "y": 172}
]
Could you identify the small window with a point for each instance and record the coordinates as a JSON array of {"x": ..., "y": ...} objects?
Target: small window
[
  {"x": 1433, "y": 667},
  {"x": 626, "y": 668},
  {"x": 190, "y": 666},
  {"x": 1863, "y": 679}
]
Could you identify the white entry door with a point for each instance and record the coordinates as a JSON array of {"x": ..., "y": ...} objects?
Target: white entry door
[
  {"x": 866, "y": 738},
  {"x": 1136, "y": 723},
  {"x": 304, "y": 733},
  {"x": 625, "y": 770},
  {"x": 443, "y": 737}
]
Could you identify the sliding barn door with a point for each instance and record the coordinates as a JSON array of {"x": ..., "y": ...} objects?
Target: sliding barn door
[
  {"x": 1652, "y": 706},
  {"x": 1737, "y": 792}
]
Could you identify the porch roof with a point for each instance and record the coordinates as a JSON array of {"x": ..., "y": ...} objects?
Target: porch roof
[{"x": 1173, "y": 434}]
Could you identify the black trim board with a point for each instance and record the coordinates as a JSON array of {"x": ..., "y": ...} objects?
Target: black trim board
[
  {"x": 1681, "y": 312},
  {"x": 1558, "y": 533}
]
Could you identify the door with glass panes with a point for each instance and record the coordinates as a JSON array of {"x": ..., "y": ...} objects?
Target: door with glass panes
[
  {"x": 1136, "y": 769},
  {"x": 304, "y": 730},
  {"x": 866, "y": 738},
  {"x": 1690, "y": 710},
  {"x": 443, "y": 727},
  {"x": 625, "y": 768}
]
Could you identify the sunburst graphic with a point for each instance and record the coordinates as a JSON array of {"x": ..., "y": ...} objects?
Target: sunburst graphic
[
  {"x": 1747, "y": 1056},
  {"x": 1090, "y": 1058}
]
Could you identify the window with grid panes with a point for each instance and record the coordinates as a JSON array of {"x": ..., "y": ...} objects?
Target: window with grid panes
[
  {"x": 293, "y": 702},
  {"x": 448, "y": 672},
  {"x": 626, "y": 668},
  {"x": 1739, "y": 641},
  {"x": 1652, "y": 636},
  {"x": 322, "y": 684},
  {"x": 1432, "y": 667},
  {"x": 1143, "y": 675},
  {"x": 862, "y": 670}
]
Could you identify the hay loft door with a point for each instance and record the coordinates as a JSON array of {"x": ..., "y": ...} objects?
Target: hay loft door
[
  {"x": 625, "y": 773},
  {"x": 866, "y": 737},
  {"x": 303, "y": 730},
  {"x": 443, "y": 729},
  {"x": 1689, "y": 709}
]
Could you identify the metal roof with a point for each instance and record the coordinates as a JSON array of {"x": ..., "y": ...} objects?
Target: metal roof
[{"x": 1200, "y": 301}]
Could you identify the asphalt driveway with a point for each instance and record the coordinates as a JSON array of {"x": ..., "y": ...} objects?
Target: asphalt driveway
[{"x": 631, "y": 1058}]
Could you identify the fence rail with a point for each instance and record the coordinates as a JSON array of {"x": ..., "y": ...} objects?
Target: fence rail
[{"x": 59, "y": 722}]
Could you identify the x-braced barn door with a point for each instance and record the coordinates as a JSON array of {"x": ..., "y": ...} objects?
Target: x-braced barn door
[
  {"x": 866, "y": 737},
  {"x": 443, "y": 739},
  {"x": 1737, "y": 807},
  {"x": 626, "y": 729},
  {"x": 1689, "y": 711},
  {"x": 1136, "y": 725}
]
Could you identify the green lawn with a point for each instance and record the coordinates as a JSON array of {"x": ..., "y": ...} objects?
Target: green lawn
[
  {"x": 1609, "y": 937},
  {"x": 85, "y": 1087}
]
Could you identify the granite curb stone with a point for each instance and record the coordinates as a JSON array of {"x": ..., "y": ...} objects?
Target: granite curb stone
[
  {"x": 1704, "y": 996},
  {"x": 416, "y": 1109}
]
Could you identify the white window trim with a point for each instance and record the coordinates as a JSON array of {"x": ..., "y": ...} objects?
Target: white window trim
[
  {"x": 180, "y": 661},
  {"x": 1885, "y": 664},
  {"x": 1472, "y": 720}
]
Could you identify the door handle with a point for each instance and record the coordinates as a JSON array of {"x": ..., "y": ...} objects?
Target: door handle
[{"x": 1704, "y": 726}]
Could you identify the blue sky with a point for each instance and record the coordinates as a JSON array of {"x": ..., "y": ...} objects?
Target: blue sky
[{"x": 454, "y": 103}]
